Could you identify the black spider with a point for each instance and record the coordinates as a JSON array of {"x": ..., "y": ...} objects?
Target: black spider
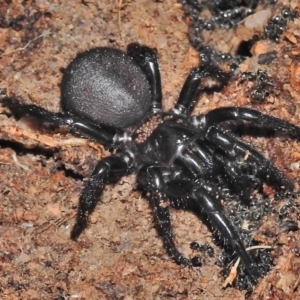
[{"x": 108, "y": 94}]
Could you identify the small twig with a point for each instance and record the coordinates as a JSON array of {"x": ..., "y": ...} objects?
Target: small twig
[
  {"x": 232, "y": 275},
  {"x": 260, "y": 247},
  {"x": 57, "y": 222},
  {"x": 18, "y": 164},
  {"x": 22, "y": 48},
  {"x": 233, "y": 271}
]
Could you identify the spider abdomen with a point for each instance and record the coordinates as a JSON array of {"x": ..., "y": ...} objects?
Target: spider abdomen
[{"x": 106, "y": 86}]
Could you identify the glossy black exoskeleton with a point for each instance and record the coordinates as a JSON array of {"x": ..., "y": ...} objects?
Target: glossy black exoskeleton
[{"x": 108, "y": 95}]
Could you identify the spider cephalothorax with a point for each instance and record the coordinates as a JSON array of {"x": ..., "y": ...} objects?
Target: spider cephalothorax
[{"x": 108, "y": 95}]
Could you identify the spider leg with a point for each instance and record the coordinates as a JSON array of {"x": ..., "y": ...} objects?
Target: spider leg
[
  {"x": 235, "y": 149},
  {"x": 204, "y": 200},
  {"x": 152, "y": 182},
  {"x": 201, "y": 201},
  {"x": 200, "y": 159},
  {"x": 108, "y": 170},
  {"x": 102, "y": 133},
  {"x": 252, "y": 116},
  {"x": 240, "y": 182},
  {"x": 146, "y": 58},
  {"x": 190, "y": 90}
]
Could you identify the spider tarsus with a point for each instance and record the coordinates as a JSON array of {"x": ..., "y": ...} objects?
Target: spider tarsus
[{"x": 80, "y": 225}]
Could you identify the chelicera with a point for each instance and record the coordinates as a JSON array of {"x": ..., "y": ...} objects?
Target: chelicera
[{"x": 109, "y": 95}]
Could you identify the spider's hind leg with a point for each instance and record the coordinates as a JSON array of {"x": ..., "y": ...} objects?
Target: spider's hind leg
[
  {"x": 190, "y": 91},
  {"x": 146, "y": 58},
  {"x": 101, "y": 133},
  {"x": 19, "y": 110}
]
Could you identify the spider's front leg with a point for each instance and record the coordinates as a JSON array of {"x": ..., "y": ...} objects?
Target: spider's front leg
[
  {"x": 101, "y": 133},
  {"x": 147, "y": 59},
  {"x": 204, "y": 200},
  {"x": 108, "y": 170},
  {"x": 151, "y": 181},
  {"x": 253, "y": 117},
  {"x": 235, "y": 148}
]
